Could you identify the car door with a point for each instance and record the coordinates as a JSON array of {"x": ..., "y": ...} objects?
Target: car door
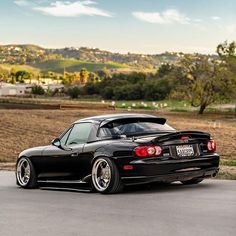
[{"x": 66, "y": 162}]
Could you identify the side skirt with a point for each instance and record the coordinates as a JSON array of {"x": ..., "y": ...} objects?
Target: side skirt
[{"x": 67, "y": 185}]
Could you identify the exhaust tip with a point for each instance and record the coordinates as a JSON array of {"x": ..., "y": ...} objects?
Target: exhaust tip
[{"x": 214, "y": 175}]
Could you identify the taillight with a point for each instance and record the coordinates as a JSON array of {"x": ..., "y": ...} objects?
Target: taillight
[
  {"x": 184, "y": 138},
  {"x": 211, "y": 146},
  {"x": 148, "y": 151}
]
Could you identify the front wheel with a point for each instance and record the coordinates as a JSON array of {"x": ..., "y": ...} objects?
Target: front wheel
[
  {"x": 25, "y": 173},
  {"x": 192, "y": 181},
  {"x": 105, "y": 176}
]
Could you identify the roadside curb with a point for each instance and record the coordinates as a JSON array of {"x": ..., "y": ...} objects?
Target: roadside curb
[{"x": 10, "y": 166}]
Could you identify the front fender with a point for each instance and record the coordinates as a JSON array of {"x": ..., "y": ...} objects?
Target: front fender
[{"x": 32, "y": 152}]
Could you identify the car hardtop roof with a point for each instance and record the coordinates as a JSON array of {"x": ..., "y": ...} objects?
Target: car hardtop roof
[{"x": 119, "y": 116}]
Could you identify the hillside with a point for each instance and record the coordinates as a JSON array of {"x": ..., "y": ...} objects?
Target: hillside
[
  {"x": 9, "y": 67},
  {"x": 71, "y": 65},
  {"x": 76, "y": 58}
]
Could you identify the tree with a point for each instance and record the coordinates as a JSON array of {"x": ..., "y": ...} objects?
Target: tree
[
  {"x": 107, "y": 92},
  {"x": 128, "y": 92},
  {"x": 84, "y": 75},
  {"x": 207, "y": 81},
  {"x": 3, "y": 74},
  {"x": 104, "y": 73},
  {"x": 74, "y": 92},
  {"x": 227, "y": 53},
  {"x": 13, "y": 75},
  {"x": 93, "y": 78},
  {"x": 157, "y": 89},
  {"x": 165, "y": 69},
  {"x": 71, "y": 78},
  {"x": 21, "y": 75}
]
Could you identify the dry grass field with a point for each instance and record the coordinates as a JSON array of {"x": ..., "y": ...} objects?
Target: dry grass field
[{"x": 21, "y": 129}]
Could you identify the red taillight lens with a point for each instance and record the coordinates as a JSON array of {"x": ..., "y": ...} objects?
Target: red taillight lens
[
  {"x": 184, "y": 138},
  {"x": 148, "y": 151},
  {"x": 211, "y": 146}
]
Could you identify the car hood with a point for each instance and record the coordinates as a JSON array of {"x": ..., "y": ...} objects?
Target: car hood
[{"x": 35, "y": 151}]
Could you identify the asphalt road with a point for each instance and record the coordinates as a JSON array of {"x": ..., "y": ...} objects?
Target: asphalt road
[{"x": 205, "y": 209}]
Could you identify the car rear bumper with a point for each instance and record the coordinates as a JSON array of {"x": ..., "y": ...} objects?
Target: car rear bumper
[
  {"x": 207, "y": 173},
  {"x": 172, "y": 170}
]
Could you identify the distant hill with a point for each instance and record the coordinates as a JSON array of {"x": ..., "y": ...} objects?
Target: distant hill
[
  {"x": 9, "y": 67},
  {"x": 71, "y": 65},
  {"x": 73, "y": 59}
]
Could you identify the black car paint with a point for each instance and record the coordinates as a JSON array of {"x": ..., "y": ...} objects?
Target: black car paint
[{"x": 74, "y": 164}]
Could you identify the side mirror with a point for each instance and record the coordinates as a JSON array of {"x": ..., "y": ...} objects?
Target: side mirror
[{"x": 56, "y": 142}]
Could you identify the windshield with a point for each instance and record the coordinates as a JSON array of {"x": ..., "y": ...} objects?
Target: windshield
[{"x": 132, "y": 129}]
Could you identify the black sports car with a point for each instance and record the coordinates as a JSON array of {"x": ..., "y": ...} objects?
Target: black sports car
[{"x": 104, "y": 153}]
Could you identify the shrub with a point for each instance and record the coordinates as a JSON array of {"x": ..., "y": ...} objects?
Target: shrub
[
  {"x": 74, "y": 92},
  {"x": 38, "y": 90}
]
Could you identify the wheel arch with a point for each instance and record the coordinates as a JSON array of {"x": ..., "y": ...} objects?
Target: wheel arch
[
  {"x": 98, "y": 155},
  {"x": 31, "y": 158}
]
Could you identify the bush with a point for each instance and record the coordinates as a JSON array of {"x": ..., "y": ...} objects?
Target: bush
[
  {"x": 128, "y": 92},
  {"x": 107, "y": 93},
  {"x": 74, "y": 92},
  {"x": 91, "y": 88},
  {"x": 134, "y": 86},
  {"x": 38, "y": 90}
]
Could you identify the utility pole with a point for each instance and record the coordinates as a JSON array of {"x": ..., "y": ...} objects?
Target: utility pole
[{"x": 64, "y": 72}]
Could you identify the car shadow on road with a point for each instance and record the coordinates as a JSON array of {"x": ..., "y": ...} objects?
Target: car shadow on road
[
  {"x": 143, "y": 189},
  {"x": 161, "y": 188}
]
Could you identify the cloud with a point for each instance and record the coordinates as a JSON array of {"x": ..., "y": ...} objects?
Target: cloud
[
  {"x": 170, "y": 16},
  {"x": 65, "y": 8},
  {"x": 197, "y": 20},
  {"x": 215, "y": 17},
  {"x": 21, "y": 3}
]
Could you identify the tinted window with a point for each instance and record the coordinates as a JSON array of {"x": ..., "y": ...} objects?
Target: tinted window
[
  {"x": 113, "y": 129},
  {"x": 79, "y": 133}
]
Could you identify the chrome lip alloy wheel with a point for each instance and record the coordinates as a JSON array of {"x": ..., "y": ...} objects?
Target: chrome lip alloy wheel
[
  {"x": 101, "y": 174},
  {"x": 23, "y": 172}
]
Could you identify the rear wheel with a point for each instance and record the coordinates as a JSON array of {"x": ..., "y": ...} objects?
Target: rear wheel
[
  {"x": 25, "y": 173},
  {"x": 192, "y": 181},
  {"x": 105, "y": 176}
]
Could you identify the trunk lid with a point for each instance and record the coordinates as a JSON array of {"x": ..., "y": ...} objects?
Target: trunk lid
[{"x": 183, "y": 144}]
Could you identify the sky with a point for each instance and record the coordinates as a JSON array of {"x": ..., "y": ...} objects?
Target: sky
[{"x": 137, "y": 26}]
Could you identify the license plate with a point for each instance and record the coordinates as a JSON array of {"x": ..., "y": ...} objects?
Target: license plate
[{"x": 185, "y": 150}]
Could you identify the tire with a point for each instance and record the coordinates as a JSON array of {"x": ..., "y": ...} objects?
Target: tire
[
  {"x": 25, "y": 174},
  {"x": 105, "y": 176},
  {"x": 192, "y": 181}
]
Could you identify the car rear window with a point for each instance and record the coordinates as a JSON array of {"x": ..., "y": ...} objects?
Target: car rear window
[{"x": 142, "y": 128}]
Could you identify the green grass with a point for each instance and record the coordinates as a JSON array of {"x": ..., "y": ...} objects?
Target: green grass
[
  {"x": 226, "y": 175},
  {"x": 228, "y": 163},
  {"x": 8, "y": 67},
  {"x": 168, "y": 105},
  {"x": 72, "y": 65}
]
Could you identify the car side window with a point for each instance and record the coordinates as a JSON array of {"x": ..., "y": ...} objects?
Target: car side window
[
  {"x": 65, "y": 137},
  {"x": 79, "y": 133}
]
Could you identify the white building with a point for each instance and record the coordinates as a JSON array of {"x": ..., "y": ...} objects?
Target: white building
[
  {"x": 42, "y": 81},
  {"x": 7, "y": 89}
]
